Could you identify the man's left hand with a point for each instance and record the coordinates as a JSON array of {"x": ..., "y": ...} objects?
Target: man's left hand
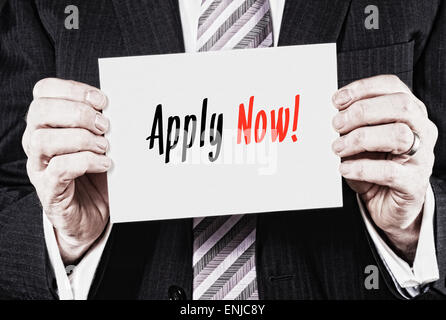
[{"x": 378, "y": 119}]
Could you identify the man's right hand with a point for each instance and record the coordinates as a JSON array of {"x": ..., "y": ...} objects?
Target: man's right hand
[{"x": 66, "y": 163}]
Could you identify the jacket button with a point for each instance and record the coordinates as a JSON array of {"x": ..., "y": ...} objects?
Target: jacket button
[{"x": 176, "y": 293}]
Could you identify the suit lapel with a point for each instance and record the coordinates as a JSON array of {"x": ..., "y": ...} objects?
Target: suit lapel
[
  {"x": 309, "y": 22},
  {"x": 154, "y": 26},
  {"x": 150, "y": 26}
]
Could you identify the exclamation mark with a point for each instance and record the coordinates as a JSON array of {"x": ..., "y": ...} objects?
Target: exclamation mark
[{"x": 296, "y": 117}]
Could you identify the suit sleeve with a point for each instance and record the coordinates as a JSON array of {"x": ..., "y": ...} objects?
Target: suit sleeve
[
  {"x": 429, "y": 87},
  {"x": 409, "y": 280},
  {"x": 26, "y": 56}
]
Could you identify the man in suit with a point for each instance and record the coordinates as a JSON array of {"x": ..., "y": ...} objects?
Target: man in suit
[{"x": 54, "y": 203}]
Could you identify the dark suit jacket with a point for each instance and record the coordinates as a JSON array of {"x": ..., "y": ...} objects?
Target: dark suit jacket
[{"x": 319, "y": 254}]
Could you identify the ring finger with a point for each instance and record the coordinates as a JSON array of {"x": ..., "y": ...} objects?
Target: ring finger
[{"x": 395, "y": 138}]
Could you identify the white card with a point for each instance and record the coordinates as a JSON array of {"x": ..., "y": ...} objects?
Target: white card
[{"x": 211, "y": 170}]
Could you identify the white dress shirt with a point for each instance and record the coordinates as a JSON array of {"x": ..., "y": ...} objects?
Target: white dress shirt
[{"x": 407, "y": 279}]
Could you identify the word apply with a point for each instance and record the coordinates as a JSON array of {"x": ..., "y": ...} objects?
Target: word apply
[{"x": 189, "y": 132}]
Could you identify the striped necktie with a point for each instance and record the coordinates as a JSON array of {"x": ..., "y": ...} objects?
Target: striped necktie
[{"x": 224, "y": 247}]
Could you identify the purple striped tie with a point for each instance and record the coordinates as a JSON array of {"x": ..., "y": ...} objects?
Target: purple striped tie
[{"x": 224, "y": 247}]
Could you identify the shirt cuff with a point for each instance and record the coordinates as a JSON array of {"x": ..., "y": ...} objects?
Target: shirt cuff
[
  {"x": 425, "y": 266},
  {"x": 76, "y": 285}
]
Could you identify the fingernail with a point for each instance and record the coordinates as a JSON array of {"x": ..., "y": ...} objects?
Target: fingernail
[
  {"x": 101, "y": 123},
  {"x": 338, "y": 145},
  {"x": 338, "y": 121},
  {"x": 96, "y": 98},
  {"x": 342, "y": 97},
  {"x": 103, "y": 144}
]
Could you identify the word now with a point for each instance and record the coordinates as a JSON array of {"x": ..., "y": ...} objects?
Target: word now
[{"x": 279, "y": 128}]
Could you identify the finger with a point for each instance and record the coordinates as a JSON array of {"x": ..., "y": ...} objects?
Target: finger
[
  {"x": 397, "y": 107},
  {"x": 382, "y": 172},
  {"x": 396, "y": 138},
  {"x": 63, "y": 169},
  {"x": 363, "y": 188},
  {"x": 368, "y": 88},
  {"x": 47, "y": 143},
  {"x": 57, "y": 113},
  {"x": 367, "y": 155},
  {"x": 70, "y": 90}
]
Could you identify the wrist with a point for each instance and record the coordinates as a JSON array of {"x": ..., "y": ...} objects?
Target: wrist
[
  {"x": 405, "y": 239},
  {"x": 71, "y": 249}
]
